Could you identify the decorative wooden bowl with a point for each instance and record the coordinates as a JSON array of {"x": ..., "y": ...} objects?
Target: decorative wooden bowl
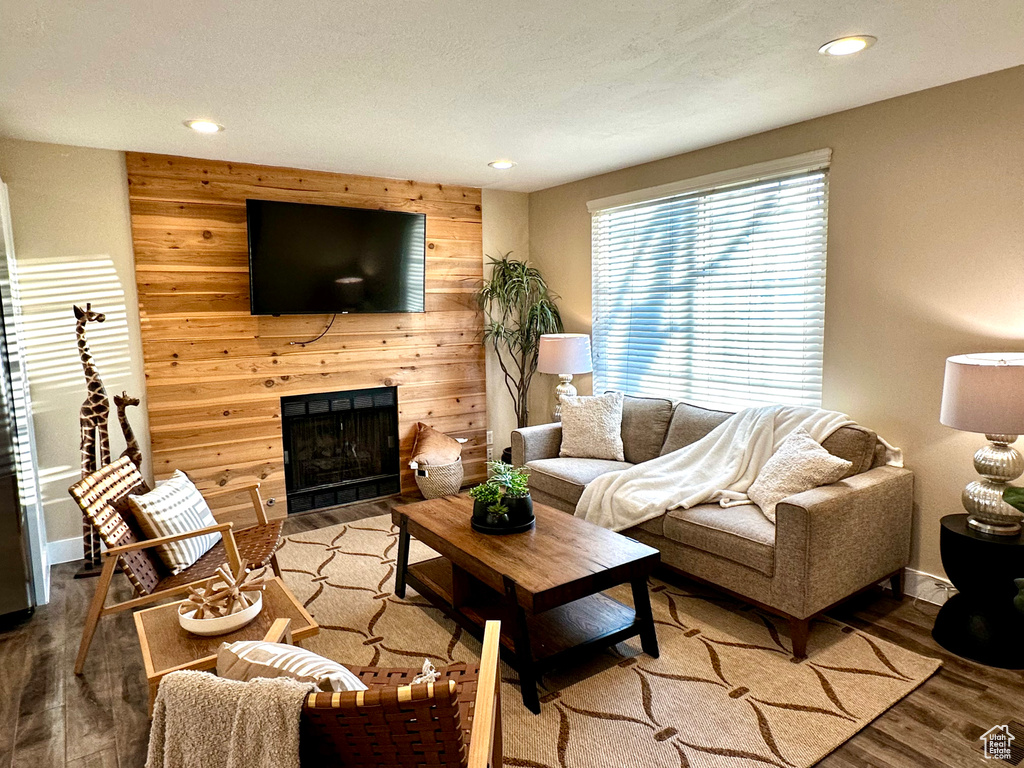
[{"x": 221, "y": 625}]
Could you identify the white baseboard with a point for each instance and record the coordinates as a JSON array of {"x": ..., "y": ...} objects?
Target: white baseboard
[
  {"x": 65, "y": 550},
  {"x": 924, "y": 586}
]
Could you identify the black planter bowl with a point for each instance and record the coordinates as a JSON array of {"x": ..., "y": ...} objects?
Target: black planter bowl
[{"x": 518, "y": 519}]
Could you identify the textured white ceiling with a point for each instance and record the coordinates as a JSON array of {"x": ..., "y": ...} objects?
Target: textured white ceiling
[{"x": 434, "y": 89}]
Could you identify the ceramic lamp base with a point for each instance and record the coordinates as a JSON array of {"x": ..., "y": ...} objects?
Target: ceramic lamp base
[{"x": 565, "y": 389}]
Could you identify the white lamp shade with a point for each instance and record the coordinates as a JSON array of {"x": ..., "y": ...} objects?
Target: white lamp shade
[
  {"x": 564, "y": 353},
  {"x": 984, "y": 393}
]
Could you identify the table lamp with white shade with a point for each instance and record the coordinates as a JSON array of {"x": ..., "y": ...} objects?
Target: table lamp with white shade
[
  {"x": 564, "y": 354},
  {"x": 985, "y": 393}
]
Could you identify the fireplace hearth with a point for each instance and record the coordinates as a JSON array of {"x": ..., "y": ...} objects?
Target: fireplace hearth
[{"x": 340, "y": 447}]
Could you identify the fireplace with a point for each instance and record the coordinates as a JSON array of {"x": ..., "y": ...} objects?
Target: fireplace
[{"x": 340, "y": 447}]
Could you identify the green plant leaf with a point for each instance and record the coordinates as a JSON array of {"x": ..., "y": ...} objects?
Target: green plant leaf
[
  {"x": 519, "y": 308},
  {"x": 1014, "y": 496},
  {"x": 486, "y": 493}
]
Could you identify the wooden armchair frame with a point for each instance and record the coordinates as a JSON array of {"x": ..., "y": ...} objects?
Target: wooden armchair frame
[
  {"x": 484, "y": 749},
  {"x": 99, "y": 492}
]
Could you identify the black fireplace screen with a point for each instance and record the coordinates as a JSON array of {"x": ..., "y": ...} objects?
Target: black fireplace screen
[{"x": 340, "y": 447}]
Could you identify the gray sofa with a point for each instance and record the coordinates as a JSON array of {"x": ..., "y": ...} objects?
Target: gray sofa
[{"x": 827, "y": 543}]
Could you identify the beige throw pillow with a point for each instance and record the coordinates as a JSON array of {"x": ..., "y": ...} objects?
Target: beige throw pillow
[
  {"x": 798, "y": 465},
  {"x": 592, "y": 427},
  {"x": 174, "y": 507},
  {"x": 249, "y": 659}
]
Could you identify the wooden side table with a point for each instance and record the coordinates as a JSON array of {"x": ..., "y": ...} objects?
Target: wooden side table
[
  {"x": 166, "y": 647},
  {"x": 981, "y": 623}
]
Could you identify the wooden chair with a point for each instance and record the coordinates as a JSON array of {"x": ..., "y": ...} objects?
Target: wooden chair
[
  {"x": 103, "y": 497},
  {"x": 454, "y": 722}
]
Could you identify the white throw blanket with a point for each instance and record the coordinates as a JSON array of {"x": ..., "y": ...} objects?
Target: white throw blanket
[
  {"x": 720, "y": 467},
  {"x": 203, "y": 721}
]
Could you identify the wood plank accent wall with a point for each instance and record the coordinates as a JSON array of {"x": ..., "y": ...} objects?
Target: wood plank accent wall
[{"x": 215, "y": 374}]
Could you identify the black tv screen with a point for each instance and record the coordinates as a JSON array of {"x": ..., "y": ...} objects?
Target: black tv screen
[{"x": 322, "y": 259}]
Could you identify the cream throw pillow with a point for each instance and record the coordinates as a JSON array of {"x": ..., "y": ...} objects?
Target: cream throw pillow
[
  {"x": 249, "y": 659},
  {"x": 798, "y": 465},
  {"x": 592, "y": 427},
  {"x": 174, "y": 507}
]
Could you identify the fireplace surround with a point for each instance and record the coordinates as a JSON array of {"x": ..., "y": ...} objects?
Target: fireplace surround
[{"x": 340, "y": 447}]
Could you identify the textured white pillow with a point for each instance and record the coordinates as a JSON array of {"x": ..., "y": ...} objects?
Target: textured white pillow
[
  {"x": 798, "y": 465},
  {"x": 249, "y": 659},
  {"x": 174, "y": 507},
  {"x": 592, "y": 427}
]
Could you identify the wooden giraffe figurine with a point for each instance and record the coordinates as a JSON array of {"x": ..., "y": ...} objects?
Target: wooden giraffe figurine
[
  {"x": 94, "y": 419},
  {"x": 121, "y": 403}
]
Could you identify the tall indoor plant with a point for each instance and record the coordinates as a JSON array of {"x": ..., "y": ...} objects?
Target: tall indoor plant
[{"x": 518, "y": 309}]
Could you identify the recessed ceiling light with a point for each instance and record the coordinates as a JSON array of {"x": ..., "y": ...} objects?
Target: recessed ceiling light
[
  {"x": 204, "y": 126},
  {"x": 844, "y": 46},
  {"x": 502, "y": 165}
]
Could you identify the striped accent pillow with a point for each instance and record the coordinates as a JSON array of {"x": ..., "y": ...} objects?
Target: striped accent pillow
[
  {"x": 174, "y": 507},
  {"x": 249, "y": 659}
]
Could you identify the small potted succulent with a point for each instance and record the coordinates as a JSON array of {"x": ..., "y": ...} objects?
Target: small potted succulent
[{"x": 502, "y": 503}]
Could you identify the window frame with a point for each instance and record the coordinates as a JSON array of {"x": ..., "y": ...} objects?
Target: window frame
[{"x": 688, "y": 192}]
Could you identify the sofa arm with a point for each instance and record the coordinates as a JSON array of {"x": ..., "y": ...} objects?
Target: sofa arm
[
  {"x": 835, "y": 540},
  {"x": 540, "y": 442}
]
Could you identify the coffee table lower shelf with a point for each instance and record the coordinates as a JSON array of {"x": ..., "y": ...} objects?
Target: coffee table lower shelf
[{"x": 531, "y": 643}]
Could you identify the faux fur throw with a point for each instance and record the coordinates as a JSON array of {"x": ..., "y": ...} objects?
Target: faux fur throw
[
  {"x": 719, "y": 467},
  {"x": 202, "y": 721}
]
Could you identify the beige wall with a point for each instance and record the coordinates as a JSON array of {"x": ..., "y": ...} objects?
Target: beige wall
[
  {"x": 925, "y": 259},
  {"x": 72, "y": 238},
  {"x": 506, "y": 228}
]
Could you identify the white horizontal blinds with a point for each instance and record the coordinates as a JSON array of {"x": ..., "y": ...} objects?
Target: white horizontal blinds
[{"x": 714, "y": 297}]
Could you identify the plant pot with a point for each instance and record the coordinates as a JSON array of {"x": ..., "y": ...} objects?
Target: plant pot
[
  {"x": 479, "y": 511},
  {"x": 520, "y": 510},
  {"x": 519, "y": 517}
]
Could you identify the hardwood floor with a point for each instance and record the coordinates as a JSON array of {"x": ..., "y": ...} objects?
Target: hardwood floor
[{"x": 49, "y": 718}]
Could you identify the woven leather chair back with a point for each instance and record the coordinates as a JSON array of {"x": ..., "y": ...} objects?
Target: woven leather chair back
[
  {"x": 103, "y": 497},
  {"x": 413, "y": 725}
]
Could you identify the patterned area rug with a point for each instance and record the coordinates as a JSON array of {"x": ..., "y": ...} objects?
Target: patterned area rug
[{"x": 725, "y": 693}]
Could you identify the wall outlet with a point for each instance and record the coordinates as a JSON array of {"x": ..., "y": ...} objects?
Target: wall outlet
[
  {"x": 490, "y": 453},
  {"x": 490, "y": 437}
]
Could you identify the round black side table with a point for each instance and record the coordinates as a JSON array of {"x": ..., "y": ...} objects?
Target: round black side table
[{"x": 981, "y": 623}]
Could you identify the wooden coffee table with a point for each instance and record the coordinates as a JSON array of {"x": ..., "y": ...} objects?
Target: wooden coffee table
[
  {"x": 166, "y": 647},
  {"x": 544, "y": 585}
]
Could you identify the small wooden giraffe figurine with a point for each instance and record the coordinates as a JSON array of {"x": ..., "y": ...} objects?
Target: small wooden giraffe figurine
[
  {"x": 94, "y": 418},
  {"x": 121, "y": 403}
]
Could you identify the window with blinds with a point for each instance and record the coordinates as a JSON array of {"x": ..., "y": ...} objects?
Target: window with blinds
[{"x": 715, "y": 296}]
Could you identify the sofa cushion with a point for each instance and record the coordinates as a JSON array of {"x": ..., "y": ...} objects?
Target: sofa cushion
[
  {"x": 644, "y": 424},
  {"x": 655, "y": 525},
  {"x": 855, "y": 444},
  {"x": 566, "y": 478},
  {"x": 741, "y": 534},
  {"x": 689, "y": 424}
]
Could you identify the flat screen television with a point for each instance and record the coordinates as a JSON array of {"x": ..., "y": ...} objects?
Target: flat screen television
[{"x": 322, "y": 259}]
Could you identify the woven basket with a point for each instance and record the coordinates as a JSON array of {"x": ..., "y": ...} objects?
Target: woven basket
[{"x": 439, "y": 479}]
